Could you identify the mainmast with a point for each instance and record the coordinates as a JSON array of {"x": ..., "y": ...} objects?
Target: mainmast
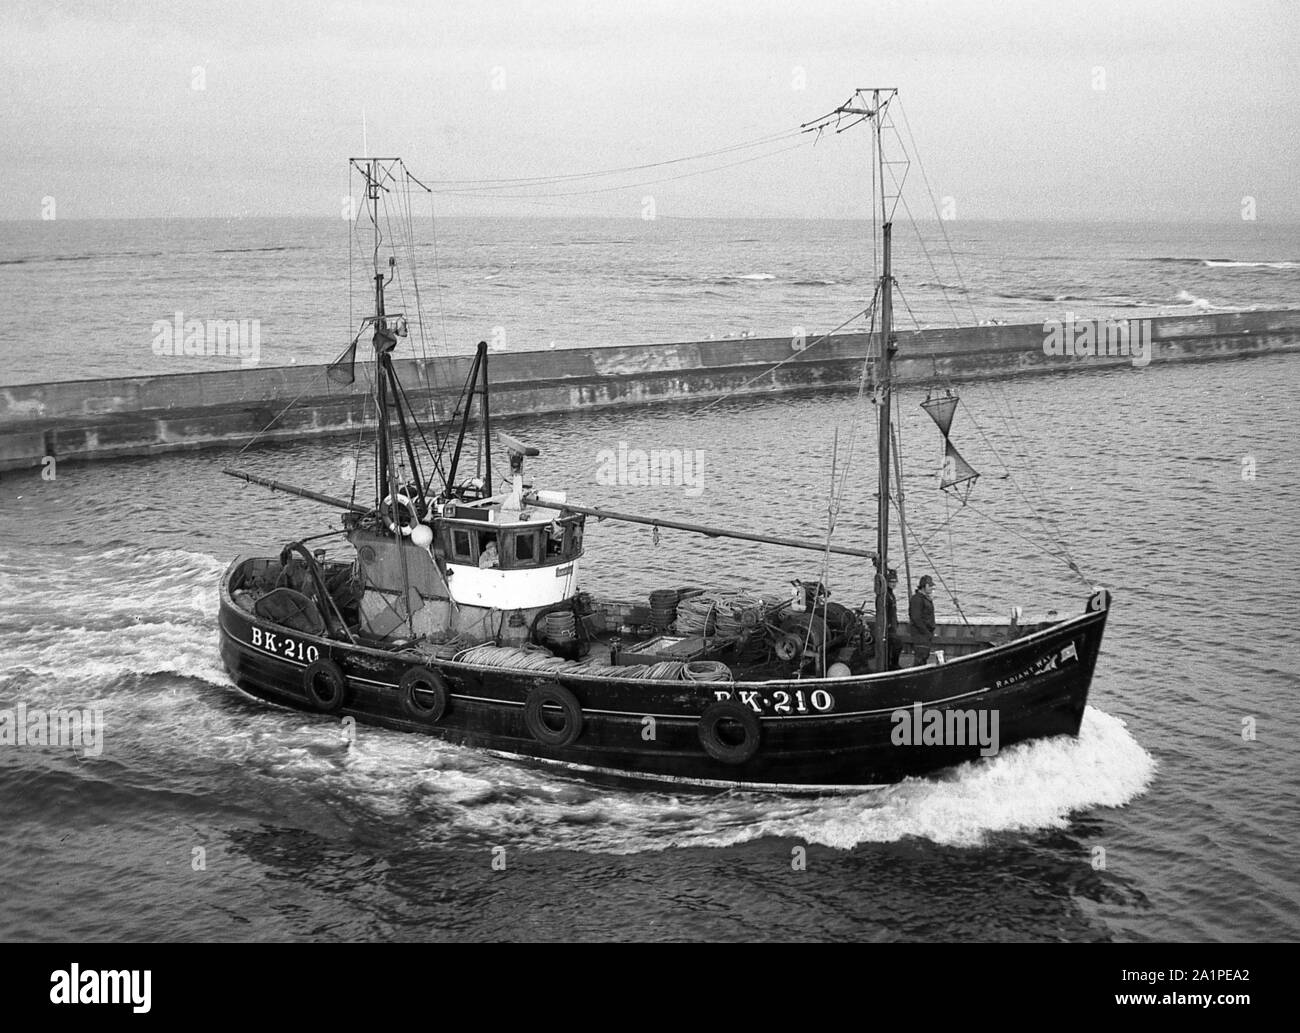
[
  {"x": 884, "y": 379},
  {"x": 884, "y": 375},
  {"x": 874, "y": 109}
]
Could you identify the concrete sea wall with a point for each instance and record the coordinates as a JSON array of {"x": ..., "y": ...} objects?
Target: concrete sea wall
[{"x": 79, "y": 420}]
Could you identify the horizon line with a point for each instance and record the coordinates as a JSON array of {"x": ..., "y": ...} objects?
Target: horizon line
[{"x": 1289, "y": 220}]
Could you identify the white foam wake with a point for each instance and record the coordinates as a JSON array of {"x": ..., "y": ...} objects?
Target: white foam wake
[
  {"x": 455, "y": 794},
  {"x": 82, "y": 621},
  {"x": 1029, "y": 787}
]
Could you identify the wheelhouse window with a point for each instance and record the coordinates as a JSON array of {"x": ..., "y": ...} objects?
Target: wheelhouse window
[
  {"x": 463, "y": 546},
  {"x": 521, "y": 549},
  {"x": 526, "y": 548}
]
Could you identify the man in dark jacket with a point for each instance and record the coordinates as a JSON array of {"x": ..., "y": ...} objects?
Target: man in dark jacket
[
  {"x": 891, "y": 620},
  {"x": 921, "y": 613}
]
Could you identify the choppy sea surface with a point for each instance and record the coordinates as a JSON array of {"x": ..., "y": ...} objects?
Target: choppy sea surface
[
  {"x": 207, "y": 815},
  {"x": 89, "y": 299}
]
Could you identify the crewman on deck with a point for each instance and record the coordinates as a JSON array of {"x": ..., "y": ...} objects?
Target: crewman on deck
[
  {"x": 489, "y": 558},
  {"x": 921, "y": 614},
  {"x": 891, "y": 620}
]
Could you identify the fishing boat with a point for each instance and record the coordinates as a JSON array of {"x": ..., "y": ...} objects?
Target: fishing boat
[{"x": 459, "y": 611}]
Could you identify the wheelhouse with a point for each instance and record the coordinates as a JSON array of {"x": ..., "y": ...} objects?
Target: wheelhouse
[{"x": 522, "y": 539}]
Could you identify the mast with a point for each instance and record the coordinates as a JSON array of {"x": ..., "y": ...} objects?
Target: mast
[
  {"x": 385, "y": 340},
  {"x": 884, "y": 377},
  {"x": 882, "y": 530},
  {"x": 487, "y": 426},
  {"x": 873, "y": 110},
  {"x": 381, "y": 380}
]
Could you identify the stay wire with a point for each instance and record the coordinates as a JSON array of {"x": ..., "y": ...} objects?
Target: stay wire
[
  {"x": 1011, "y": 424},
  {"x": 625, "y": 186},
  {"x": 767, "y": 372},
  {"x": 524, "y": 181}
]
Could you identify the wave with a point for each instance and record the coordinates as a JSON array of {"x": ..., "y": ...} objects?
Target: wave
[
  {"x": 814, "y": 283},
  {"x": 1251, "y": 265},
  {"x": 247, "y": 250},
  {"x": 726, "y": 280},
  {"x": 1225, "y": 263},
  {"x": 1202, "y": 304},
  {"x": 38, "y": 259},
  {"x": 1182, "y": 299},
  {"x": 446, "y": 793},
  {"x": 1044, "y": 297},
  {"x": 128, "y": 611}
]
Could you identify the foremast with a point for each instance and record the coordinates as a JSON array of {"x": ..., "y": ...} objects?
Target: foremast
[{"x": 387, "y": 391}]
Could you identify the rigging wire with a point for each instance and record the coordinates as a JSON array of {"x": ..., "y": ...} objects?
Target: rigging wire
[
  {"x": 934, "y": 204},
  {"x": 351, "y": 234},
  {"x": 1064, "y": 553},
  {"x": 824, "y": 337},
  {"x": 524, "y": 181},
  {"x": 419, "y": 429},
  {"x": 274, "y": 419},
  {"x": 859, "y": 407},
  {"x": 437, "y": 274},
  {"x": 423, "y": 366},
  {"x": 626, "y": 186},
  {"x": 1011, "y": 530},
  {"x": 1005, "y": 410},
  {"x": 934, "y": 270},
  {"x": 361, "y": 433},
  {"x": 952, "y": 563},
  {"x": 403, "y": 398},
  {"x": 399, "y": 460}
]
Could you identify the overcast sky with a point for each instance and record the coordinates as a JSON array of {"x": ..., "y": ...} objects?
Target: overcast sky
[{"x": 1079, "y": 110}]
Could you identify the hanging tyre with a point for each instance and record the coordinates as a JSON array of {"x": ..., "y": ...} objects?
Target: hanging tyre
[
  {"x": 423, "y": 694},
  {"x": 553, "y": 716},
  {"x": 729, "y": 731},
  {"x": 325, "y": 685}
]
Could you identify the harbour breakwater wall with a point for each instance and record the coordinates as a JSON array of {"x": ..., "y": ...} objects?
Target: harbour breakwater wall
[{"x": 79, "y": 420}]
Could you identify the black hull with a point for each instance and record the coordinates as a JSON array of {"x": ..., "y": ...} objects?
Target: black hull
[{"x": 1034, "y": 687}]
